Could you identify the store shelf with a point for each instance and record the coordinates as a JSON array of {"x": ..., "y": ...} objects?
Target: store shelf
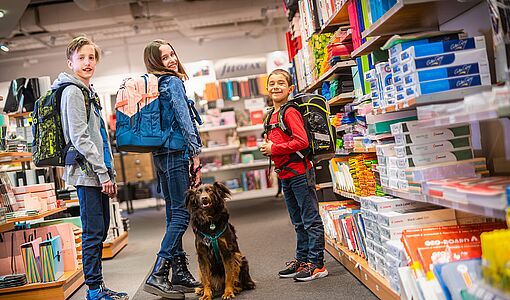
[
  {"x": 14, "y": 157},
  {"x": 372, "y": 44},
  {"x": 20, "y": 115},
  {"x": 256, "y": 164},
  {"x": 258, "y": 127},
  {"x": 219, "y": 149},
  {"x": 339, "y": 18},
  {"x": 248, "y": 149},
  {"x": 359, "y": 268},
  {"x": 337, "y": 67},
  {"x": 6, "y": 227},
  {"x": 324, "y": 185},
  {"x": 72, "y": 203},
  {"x": 113, "y": 248},
  {"x": 470, "y": 208},
  {"x": 60, "y": 289},
  {"x": 342, "y": 99},
  {"x": 466, "y": 118},
  {"x": 254, "y": 194},
  {"x": 216, "y": 128},
  {"x": 417, "y": 15},
  {"x": 348, "y": 195},
  {"x": 38, "y": 216}
]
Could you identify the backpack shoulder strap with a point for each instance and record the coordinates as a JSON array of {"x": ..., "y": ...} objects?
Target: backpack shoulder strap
[
  {"x": 86, "y": 97},
  {"x": 267, "y": 120},
  {"x": 281, "y": 114}
]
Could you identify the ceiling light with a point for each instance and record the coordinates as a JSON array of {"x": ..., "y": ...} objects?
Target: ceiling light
[
  {"x": 4, "y": 48},
  {"x": 2, "y": 13}
]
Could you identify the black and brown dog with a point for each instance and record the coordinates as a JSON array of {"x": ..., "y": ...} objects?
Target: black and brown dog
[{"x": 222, "y": 266}]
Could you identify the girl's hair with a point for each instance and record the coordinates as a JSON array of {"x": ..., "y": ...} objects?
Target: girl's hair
[
  {"x": 77, "y": 43},
  {"x": 283, "y": 72},
  {"x": 154, "y": 64}
]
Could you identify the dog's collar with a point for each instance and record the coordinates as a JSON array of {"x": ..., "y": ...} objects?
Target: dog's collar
[{"x": 213, "y": 240}]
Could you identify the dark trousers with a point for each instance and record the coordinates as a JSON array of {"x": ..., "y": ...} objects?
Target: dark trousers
[
  {"x": 173, "y": 174},
  {"x": 301, "y": 200},
  {"x": 95, "y": 221}
]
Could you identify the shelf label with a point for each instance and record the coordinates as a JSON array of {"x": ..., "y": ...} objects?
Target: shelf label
[{"x": 366, "y": 277}]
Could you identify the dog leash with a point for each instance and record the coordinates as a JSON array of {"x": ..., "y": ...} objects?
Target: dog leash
[
  {"x": 213, "y": 240},
  {"x": 193, "y": 175}
]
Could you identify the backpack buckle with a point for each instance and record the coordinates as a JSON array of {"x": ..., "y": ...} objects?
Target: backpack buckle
[{"x": 277, "y": 170}]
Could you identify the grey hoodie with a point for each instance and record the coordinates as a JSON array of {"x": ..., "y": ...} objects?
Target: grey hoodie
[{"x": 86, "y": 138}]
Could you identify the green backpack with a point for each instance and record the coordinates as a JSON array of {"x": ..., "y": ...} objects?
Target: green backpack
[{"x": 49, "y": 148}]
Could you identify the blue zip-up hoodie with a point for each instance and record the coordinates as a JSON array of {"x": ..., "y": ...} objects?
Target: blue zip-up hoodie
[{"x": 176, "y": 115}]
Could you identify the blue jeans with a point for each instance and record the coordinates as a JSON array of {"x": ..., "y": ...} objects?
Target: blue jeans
[
  {"x": 95, "y": 221},
  {"x": 173, "y": 171},
  {"x": 301, "y": 200}
]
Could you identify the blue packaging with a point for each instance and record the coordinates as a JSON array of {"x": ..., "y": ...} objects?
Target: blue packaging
[
  {"x": 443, "y": 47},
  {"x": 446, "y": 72},
  {"x": 396, "y": 49},
  {"x": 436, "y": 86},
  {"x": 447, "y": 59}
]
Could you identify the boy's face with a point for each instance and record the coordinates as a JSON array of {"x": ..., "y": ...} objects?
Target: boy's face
[
  {"x": 168, "y": 57},
  {"x": 278, "y": 88},
  {"x": 83, "y": 62}
]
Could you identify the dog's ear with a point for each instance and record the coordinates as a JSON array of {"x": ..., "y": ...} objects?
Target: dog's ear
[
  {"x": 190, "y": 198},
  {"x": 222, "y": 189}
]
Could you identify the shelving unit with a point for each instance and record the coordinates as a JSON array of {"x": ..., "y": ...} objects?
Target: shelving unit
[
  {"x": 6, "y": 226},
  {"x": 219, "y": 149},
  {"x": 113, "y": 248},
  {"x": 341, "y": 17},
  {"x": 58, "y": 290},
  {"x": 217, "y": 128},
  {"x": 251, "y": 128},
  {"x": 416, "y": 15},
  {"x": 38, "y": 216},
  {"x": 255, "y": 164},
  {"x": 20, "y": 115},
  {"x": 337, "y": 67},
  {"x": 248, "y": 149},
  {"x": 372, "y": 44},
  {"x": 348, "y": 195},
  {"x": 254, "y": 194},
  {"x": 342, "y": 99},
  {"x": 456, "y": 119},
  {"x": 15, "y": 157},
  {"x": 359, "y": 268},
  {"x": 470, "y": 208}
]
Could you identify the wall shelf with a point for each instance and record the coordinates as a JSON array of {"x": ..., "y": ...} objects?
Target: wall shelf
[
  {"x": 38, "y": 216},
  {"x": 254, "y": 194},
  {"x": 113, "y": 248},
  {"x": 342, "y": 99},
  {"x": 248, "y": 149},
  {"x": 372, "y": 44},
  {"x": 255, "y": 164},
  {"x": 341, "y": 17},
  {"x": 60, "y": 289},
  {"x": 20, "y": 115},
  {"x": 417, "y": 15},
  {"x": 359, "y": 268},
  {"x": 250, "y": 128},
  {"x": 216, "y": 128},
  {"x": 348, "y": 195},
  {"x": 337, "y": 67},
  {"x": 219, "y": 149}
]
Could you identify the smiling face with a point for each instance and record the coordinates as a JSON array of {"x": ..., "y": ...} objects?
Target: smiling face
[
  {"x": 83, "y": 63},
  {"x": 279, "y": 88},
  {"x": 169, "y": 58}
]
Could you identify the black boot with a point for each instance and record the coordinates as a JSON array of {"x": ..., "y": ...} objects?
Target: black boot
[
  {"x": 181, "y": 276},
  {"x": 157, "y": 283}
]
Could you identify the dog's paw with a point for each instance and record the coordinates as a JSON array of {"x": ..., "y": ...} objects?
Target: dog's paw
[
  {"x": 199, "y": 291},
  {"x": 206, "y": 297},
  {"x": 228, "y": 295}
]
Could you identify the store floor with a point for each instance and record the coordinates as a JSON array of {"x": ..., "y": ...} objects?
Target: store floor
[{"x": 266, "y": 237}]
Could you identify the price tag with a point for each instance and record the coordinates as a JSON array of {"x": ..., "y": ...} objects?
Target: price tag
[{"x": 366, "y": 276}]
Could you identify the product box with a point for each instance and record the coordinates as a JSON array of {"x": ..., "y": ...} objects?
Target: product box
[
  {"x": 395, "y": 233},
  {"x": 443, "y": 85},
  {"x": 464, "y": 168},
  {"x": 403, "y": 185},
  {"x": 393, "y": 173},
  {"x": 428, "y": 136},
  {"x": 384, "y": 74},
  {"x": 35, "y": 188},
  {"x": 383, "y": 171},
  {"x": 446, "y": 59},
  {"x": 385, "y": 181},
  {"x": 396, "y": 249},
  {"x": 418, "y": 160},
  {"x": 392, "y": 162},
  {"x": 446, "y": 72},
  {"x": 386, "y": 149},
  {"x": 416, "y": 216},
  {"x": 384, "y": 204},
  {"x": 442, "y": 48},
  {"x": 382, "y": 160},
  {"x": 439, "y": 146}
]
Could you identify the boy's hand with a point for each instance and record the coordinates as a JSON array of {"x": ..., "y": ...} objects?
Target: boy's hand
[
  {"x": 265, "y": 148},
  {"x": 109, "y": 188}
]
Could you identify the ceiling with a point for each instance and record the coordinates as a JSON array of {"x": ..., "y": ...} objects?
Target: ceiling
[{"x": 45, "y": 24}]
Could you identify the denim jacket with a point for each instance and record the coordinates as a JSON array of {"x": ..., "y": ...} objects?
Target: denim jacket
[{"x": 176, "y": 114}]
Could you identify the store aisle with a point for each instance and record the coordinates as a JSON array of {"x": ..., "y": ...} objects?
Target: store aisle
[{"x": 266, "y": 237}]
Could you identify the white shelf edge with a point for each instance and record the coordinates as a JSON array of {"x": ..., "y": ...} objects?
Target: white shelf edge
[
  {"x": 254, "y": 194},
  {"x": 250, "y": 128},
  {"x": 217, "y": 128},
  {"x": 220, "y": 148},
  {"x": 237, "y": 167}
]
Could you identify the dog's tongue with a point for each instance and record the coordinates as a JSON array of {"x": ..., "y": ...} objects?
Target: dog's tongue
[{"x": 206, "y": 204}]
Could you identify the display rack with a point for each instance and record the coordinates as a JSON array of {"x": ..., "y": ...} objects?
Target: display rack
[
  {"x": 342, "y": 99},
  {"x": 217, "y": 128},
  {"x": 372, "y": 44},
  {"x": 340, "y": 17},
  {"x": 220, "y": 148},
  {"x": 58, "y": 290},
  {"x": 254, "y": 194},
  {"x": 359, "y": 268},
  {"x": 417, "y": 15},
  {"x": 337, "y": 67},
  {"x": 240, "y": 166},
  {"x": 38, "y": 216},
  {"x": 250, "y": 128},
  {"x": 470, "y": 208},
  {"x": 348, "y": 195},
  {"x": 15, "y": 157},
  {"x": 113, "y": 248}
]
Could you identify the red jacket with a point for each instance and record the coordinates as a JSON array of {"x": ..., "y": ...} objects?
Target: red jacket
[{"x": 284, "y": 145}]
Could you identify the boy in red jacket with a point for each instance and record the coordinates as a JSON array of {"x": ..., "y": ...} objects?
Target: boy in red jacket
[{"x": 298, "y": 188}]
